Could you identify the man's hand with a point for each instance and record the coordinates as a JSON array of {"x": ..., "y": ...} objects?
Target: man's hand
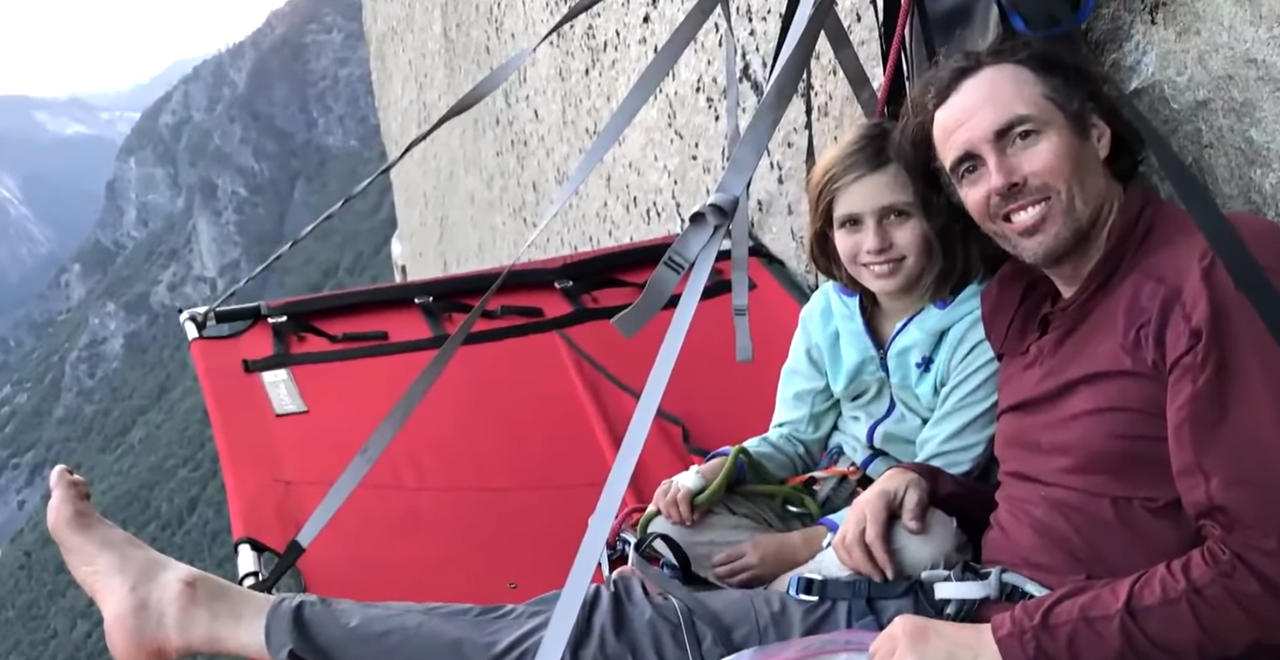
[
  {"x": 862, "y": 544},
  {"x": 675, "y": 502},
  {"x": 762, "y": 559},
  {"x": 910, "y": 637}
]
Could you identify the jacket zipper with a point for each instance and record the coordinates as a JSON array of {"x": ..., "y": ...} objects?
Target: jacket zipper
[{"x": 883, "y": 355}]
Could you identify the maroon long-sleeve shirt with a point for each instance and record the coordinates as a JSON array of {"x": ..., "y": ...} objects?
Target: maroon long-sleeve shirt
[{"x": 1138, "y": 436}]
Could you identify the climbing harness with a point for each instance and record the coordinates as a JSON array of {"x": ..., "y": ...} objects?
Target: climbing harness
[
  {"x": 757, "y": 482},
  {"x": 959, "y": 590},
  {"x": 800, "y": 495}
]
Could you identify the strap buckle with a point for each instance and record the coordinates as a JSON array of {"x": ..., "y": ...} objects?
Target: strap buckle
[
  {"x": 805, "y": 587},
  {"x": 947, "y": 585},
  {"x": 810, "y": 587},
  {"x": 967, "y": 585}
]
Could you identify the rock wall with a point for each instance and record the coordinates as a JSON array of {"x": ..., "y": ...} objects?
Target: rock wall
[
  {"x": 1204, "y": 70},
  {"x": 1207, "y": 73}
]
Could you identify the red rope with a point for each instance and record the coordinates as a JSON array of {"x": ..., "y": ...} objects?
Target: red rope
[
  {"x": 895, "y": 54},
  {"x": 627, "y": 517}
]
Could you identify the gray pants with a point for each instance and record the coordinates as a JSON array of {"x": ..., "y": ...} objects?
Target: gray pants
[
  {"x": 736, "y": 519},
  {"x": 618, "y": 620},
  {"x": 732, "y": 520}
]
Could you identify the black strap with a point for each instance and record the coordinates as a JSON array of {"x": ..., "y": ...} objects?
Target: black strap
[
  {"x": 707, "y": 618},
  {"x": 442, "y": 307},
  {"x": 850, "y": 65},
  {"x": 434, "y": 309},
  {"x": 815, "y": 588},
  {"x": 433, "y": 319},
  {"x": 644, "y": 544},
  {"x": 927, "y": 38},
  {"x": 1199, "y": 202},
  {"x": 287, "y": 327},
  {"x": 292, "y": 326},
  {"x": 810, "y": 150},
  {"x": 579, "y": 316},
  {"x": 788, "y": 17},
  {"x": 686, "y": 438},
  {"x": 576, "y": 290}
]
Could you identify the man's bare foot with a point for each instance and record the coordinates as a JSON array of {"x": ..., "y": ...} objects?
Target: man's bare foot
[{"x": 153, "y": 607}]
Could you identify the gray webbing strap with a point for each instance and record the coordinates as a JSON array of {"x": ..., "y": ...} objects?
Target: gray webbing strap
[
  {"x": 707, "y": 227},
  {"x": 742, "y": 164},
  {"x": 640, "y": 93},
  {"x": 988, "y": 584},
  {"x": 805, "y": 8},
  {"x": 563, "y": 617},
  {"x": 478, "y": 92},
  {"x": 847, "y": 58},
  {"x": 740, "y": 229}
]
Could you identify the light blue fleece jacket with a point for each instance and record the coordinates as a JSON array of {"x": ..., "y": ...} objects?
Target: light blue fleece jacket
[{"x": 929, "y": 396}]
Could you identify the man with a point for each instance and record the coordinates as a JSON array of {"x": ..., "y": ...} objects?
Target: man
[
  {"x": 1137, "y": 432},
  {"x": 1135, "y": 437}
]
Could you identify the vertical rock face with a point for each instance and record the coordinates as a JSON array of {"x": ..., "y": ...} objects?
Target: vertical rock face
[
  {"x": 234, "y": 143},
  {"x": 1204, "y": 70},
  {"x": 463, "y": 213},
  {"x": 1207, "y": 73},
  {"x": 230, "y": 163}
]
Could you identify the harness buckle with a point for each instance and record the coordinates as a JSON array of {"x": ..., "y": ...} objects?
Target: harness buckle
[
  {"x": 968, "y": 585},
  {"x": 803, "y": 587}
]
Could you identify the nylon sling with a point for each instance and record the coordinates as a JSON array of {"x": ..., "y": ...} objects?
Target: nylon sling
[
  {"x": 740, "y": 236},
  {"x": 487, "y": 85},
  {"x": 847, "y": 59},
  {"x": 706, "y": 230},
  {"x": 864, "y": 92},
  {"x": 740, "y": 229},
  {"x": 1199, "y": 202},
  {"x": 661, "y": 285},
  {"x": 643, "y": 89}
]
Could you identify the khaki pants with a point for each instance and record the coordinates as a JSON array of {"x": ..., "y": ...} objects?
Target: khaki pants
[{"x": 737, "y": 518}]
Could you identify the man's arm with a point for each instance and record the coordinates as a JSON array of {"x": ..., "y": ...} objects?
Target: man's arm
[
  {"x": 969, "y": 501},
  {"x": 1224, "y": 442},
  {"x": 956, "y": 442}
]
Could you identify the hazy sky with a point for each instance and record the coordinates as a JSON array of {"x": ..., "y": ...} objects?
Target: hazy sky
[{"x": 54, "y": 47}]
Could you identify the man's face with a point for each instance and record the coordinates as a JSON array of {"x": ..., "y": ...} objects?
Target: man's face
[{"x": 1026, "y": 176}]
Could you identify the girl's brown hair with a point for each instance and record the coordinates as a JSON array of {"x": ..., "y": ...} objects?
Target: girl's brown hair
[{"x": 962, "y": 254}]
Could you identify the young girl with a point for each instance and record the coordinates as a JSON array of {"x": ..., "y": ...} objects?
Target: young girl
[{"x": 889, "y": 364}]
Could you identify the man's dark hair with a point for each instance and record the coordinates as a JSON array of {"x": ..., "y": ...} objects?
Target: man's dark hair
[{"x": 1074, "y": 84}]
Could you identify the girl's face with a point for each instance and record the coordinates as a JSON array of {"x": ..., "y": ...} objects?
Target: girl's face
[{"x": 881, "y": 235}]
